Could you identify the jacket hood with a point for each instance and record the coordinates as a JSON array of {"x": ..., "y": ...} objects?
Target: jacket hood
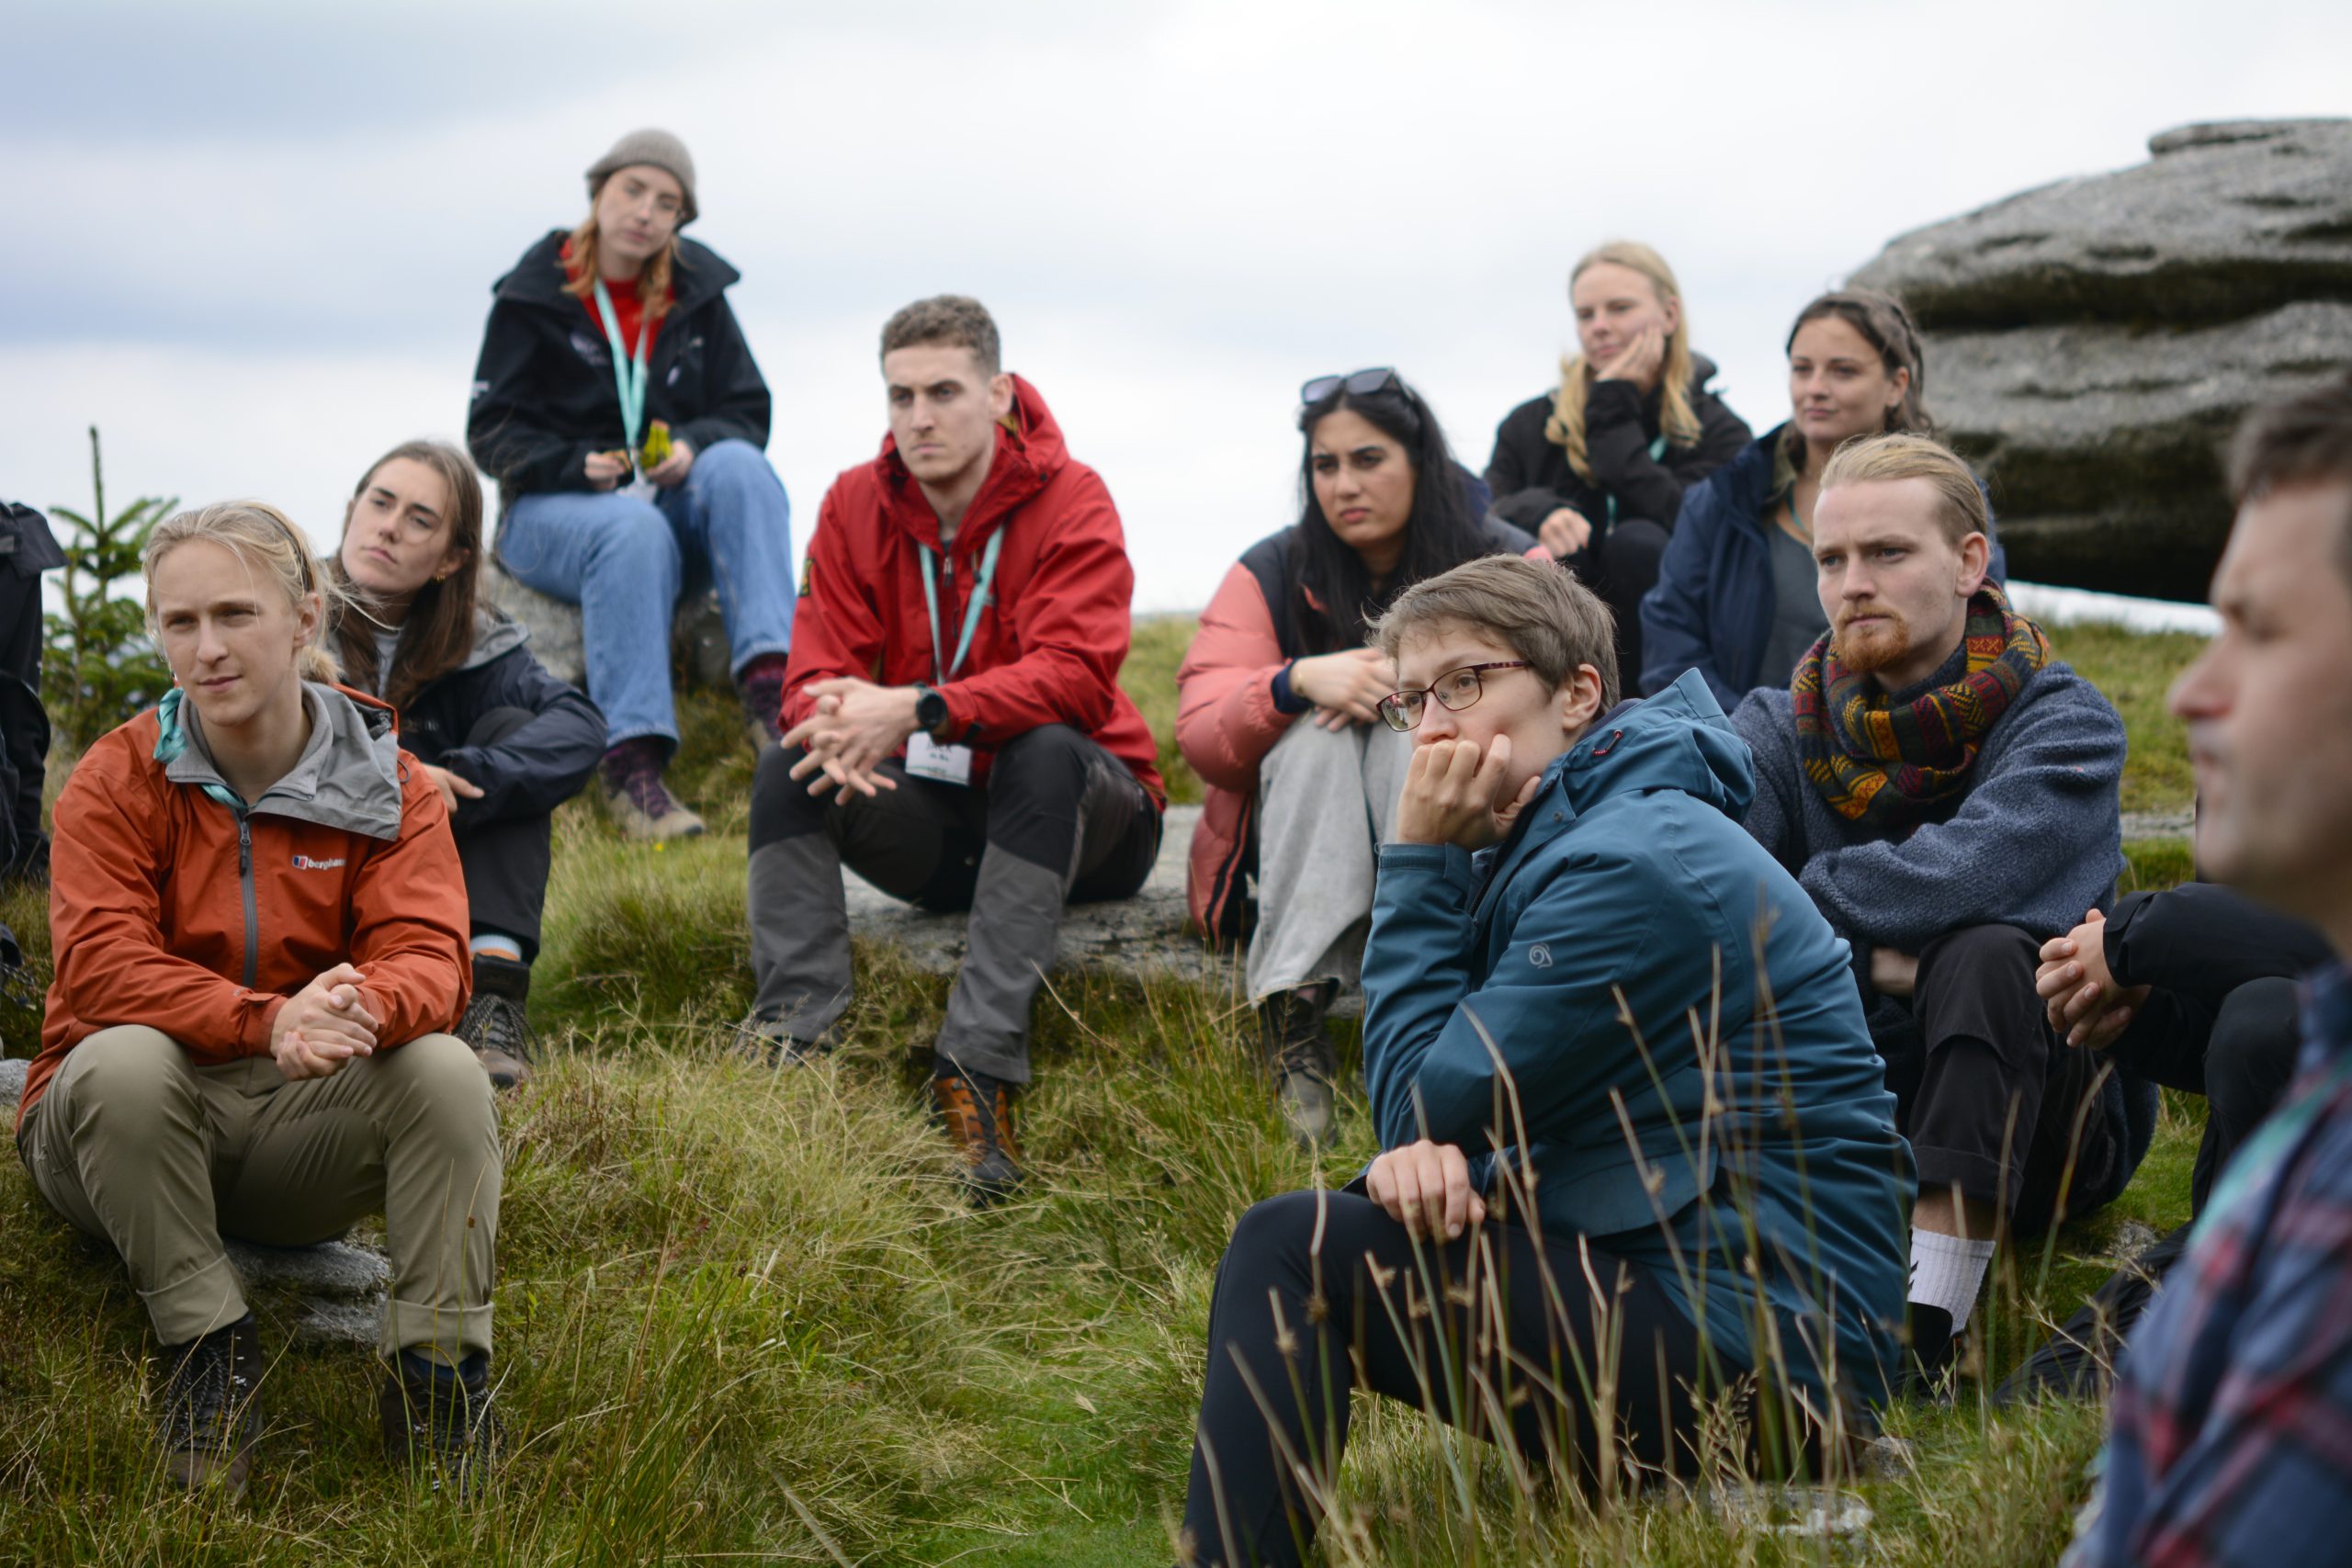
[
  {"x": 495, "y": 636},
  {"x": 1029, "y": 451},
  {"x": 348, "y": 775},
  {"x": 700, "y": 275},
  {"x": 1677, "y": 739}
]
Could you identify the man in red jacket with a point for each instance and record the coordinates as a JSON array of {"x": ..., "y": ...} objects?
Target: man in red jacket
[{"x": 956, "y": 726}]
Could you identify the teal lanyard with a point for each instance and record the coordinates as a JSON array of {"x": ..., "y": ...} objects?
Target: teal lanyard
[
  {"x": 1657, "y": 454},
  {"x": 629, "y": 369},
  {"x": 972, "y": 607}
]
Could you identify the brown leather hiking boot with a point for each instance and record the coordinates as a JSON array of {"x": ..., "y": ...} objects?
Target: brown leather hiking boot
[
  {"x": 977, "y": 1113},
  {"x": 495, "y": 1024},
  {"x": 207, "y": 1408}
]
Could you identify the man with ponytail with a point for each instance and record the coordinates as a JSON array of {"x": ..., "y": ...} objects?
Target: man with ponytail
[
  {"x": 1596, "y": 467},
  {"x": 1947, "y": 792},
  {"x": 260, "y": 926}
]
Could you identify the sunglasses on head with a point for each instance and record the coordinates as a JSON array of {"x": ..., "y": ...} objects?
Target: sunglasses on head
[{"x": 1360, "y": 384}]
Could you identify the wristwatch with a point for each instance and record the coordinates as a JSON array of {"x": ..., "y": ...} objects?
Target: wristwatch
[{"x": 931, "y": 709}]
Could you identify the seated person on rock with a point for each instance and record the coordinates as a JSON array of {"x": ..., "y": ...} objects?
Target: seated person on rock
[
  {"x": 2235, "y": 1392},
  {"x": 259, "y": 923},
  {"x": 619, "y": 410},
  {"x": 2192, "y": 988},
  {"x": 1736, "y": 596},
  {"x": 1597, "y": 466},
  {"x": 1948, "y": 795},
  {"x": 1571, "y": 1196},
  {"x": 1302, "y": 807},
  {"x": 505, "y": 741},
  {"x": 956, "y": 730}
]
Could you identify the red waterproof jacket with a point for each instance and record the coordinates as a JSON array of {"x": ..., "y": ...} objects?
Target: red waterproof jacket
[
  {"x": 1054, "y": 634},
  {"x": 170, "y": 909}
]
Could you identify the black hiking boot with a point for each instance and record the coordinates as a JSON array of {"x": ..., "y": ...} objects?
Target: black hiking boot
[
  {"x": 1290, "y": 1026},
  {"x": 208, "y": 1409},
  {"x": 761, "y": 1039},
  {"x": 1927, "y": 1359},
  {"x": 495, "y": 1024},
  {"x": 977, "y": 1113},
  {"x": 17, "y": 983},
  {"x": 441, "y": 1419}
]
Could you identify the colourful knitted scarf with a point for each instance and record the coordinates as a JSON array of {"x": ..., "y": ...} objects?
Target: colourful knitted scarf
[{"x": 1887, "y": 765}]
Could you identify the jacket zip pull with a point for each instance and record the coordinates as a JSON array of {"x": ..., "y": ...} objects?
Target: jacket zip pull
[{"x": 253, "y": 914}]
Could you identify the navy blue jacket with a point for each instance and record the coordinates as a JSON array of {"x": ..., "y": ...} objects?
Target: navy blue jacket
[
  {"x": 1493, "y": 989},
  {"x": 1712, "y": 610},
  {"x": 530, "y": 771}
]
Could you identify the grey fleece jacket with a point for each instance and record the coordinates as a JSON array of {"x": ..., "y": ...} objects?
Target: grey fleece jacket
[{"x": 2035, "y": 842}]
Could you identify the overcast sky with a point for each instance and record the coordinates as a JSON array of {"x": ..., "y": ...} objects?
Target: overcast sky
[{"x": 255, "y": 243}]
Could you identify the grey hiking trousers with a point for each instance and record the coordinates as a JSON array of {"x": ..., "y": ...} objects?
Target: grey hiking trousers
[
  {"x": 1327, "y": 800},
  {"x": 1059, "y": 819},
  {"x": 139, "y": 1145}
]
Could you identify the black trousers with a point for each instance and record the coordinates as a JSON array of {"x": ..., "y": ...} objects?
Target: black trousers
[
  {"x": 1620, "y": 563},
  {"x": 1320, "y": 1292},
  {"x": 506, "y": 863},
  {"x": 2249, "y": 1061},
  {"x": 1058, "y": 820},
  {"x": 1994, "y": 1102}
]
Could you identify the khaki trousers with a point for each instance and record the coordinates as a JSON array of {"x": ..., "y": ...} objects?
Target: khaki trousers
[{"x": 137, "y": 1143}]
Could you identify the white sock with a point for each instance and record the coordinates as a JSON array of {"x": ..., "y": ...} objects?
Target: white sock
[
  {"x": 499, "y": 944},
  {"x": 1946, "y": 1271}
]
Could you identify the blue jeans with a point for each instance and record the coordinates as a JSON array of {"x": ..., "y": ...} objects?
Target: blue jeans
[{"x": 622, "y": 560}]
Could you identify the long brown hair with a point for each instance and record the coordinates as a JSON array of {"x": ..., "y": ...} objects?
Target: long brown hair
[
  {"x": 1676, "y": 419},
  {"x": 653, "y": 283},
  {"x": 1887, "y": 327},
  {"x": 439, "y": 631}
]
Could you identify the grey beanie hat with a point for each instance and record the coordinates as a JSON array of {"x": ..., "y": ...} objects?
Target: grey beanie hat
[{"x": 657, "y": 148}]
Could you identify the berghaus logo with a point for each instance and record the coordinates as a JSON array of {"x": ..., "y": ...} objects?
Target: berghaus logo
[{"x": 308, "y": 863}]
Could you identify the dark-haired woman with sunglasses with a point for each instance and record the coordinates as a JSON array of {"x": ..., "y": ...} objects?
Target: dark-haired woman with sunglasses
[{"x": 1301, "y": 808}]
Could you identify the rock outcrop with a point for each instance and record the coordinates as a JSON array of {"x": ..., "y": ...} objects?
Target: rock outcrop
[
  {"x": 697, "y": 636},
  {"x": 2091, "y": 343}
]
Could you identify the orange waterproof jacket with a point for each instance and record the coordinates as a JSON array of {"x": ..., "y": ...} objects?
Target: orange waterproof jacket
[{"x": 170, "y": 907}]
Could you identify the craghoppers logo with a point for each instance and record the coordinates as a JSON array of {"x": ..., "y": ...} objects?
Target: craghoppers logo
[{"x": 309, "y": 862}]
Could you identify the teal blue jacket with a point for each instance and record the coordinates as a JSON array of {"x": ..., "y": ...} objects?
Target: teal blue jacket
[{"x": 1742, "y": 1115}]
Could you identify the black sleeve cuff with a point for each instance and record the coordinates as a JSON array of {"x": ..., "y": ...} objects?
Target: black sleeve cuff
[{"x": 1285, "y": 699}]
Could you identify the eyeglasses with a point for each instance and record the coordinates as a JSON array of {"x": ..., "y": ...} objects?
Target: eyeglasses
[
  {"x": 1455, "y": 690},
  {"x": 1360, "y": 384}
]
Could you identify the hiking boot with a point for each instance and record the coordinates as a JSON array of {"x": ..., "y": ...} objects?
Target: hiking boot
[
  {"x": 638, "y": 801},
  {"x": 496, "y": 1025},
  {"x": 18, "y": 984},
  {"x": 1928, "y": 1358},
  {"x": 207, "y": 1411},
  {"x": 762, "y": 1041},
  {"x": 977, "y": 1113},
  {"x": 761, "y": 688},
  {"x": 441, "y": 1418},
  {"x": 1290, "y": 1026}
]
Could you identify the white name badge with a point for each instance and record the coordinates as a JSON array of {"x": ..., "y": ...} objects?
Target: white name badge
[
  {"x": 643, "y": 488},
  {"x": 927, "y": 759}
]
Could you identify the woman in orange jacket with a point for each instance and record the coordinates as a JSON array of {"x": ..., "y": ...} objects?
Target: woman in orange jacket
[
  {"x": 1296, "y": 809},
  {"x": 260, "y": 926}
]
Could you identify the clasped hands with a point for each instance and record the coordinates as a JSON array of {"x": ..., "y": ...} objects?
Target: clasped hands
[
  {"x": 606, "y": 469},
  {"x": 854, "y": 727},
  {"x": 322, "y": 1026},
  {"x": 2079, "y": 992},
  {"x": 1345, "y": 687}
]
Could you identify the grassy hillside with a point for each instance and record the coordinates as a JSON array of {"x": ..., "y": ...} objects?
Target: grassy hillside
[{"x": 747, "y": 1317}]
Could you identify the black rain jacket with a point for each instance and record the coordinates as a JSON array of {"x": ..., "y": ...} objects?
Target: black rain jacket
[
  {"x": 532, "y": 770},
  {"x": 543, "y": 395},
  {"x": 1531, "y": 480}
]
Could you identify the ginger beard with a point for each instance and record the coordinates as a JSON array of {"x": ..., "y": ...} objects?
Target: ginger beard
[{"x": 1882, "y": 639}]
